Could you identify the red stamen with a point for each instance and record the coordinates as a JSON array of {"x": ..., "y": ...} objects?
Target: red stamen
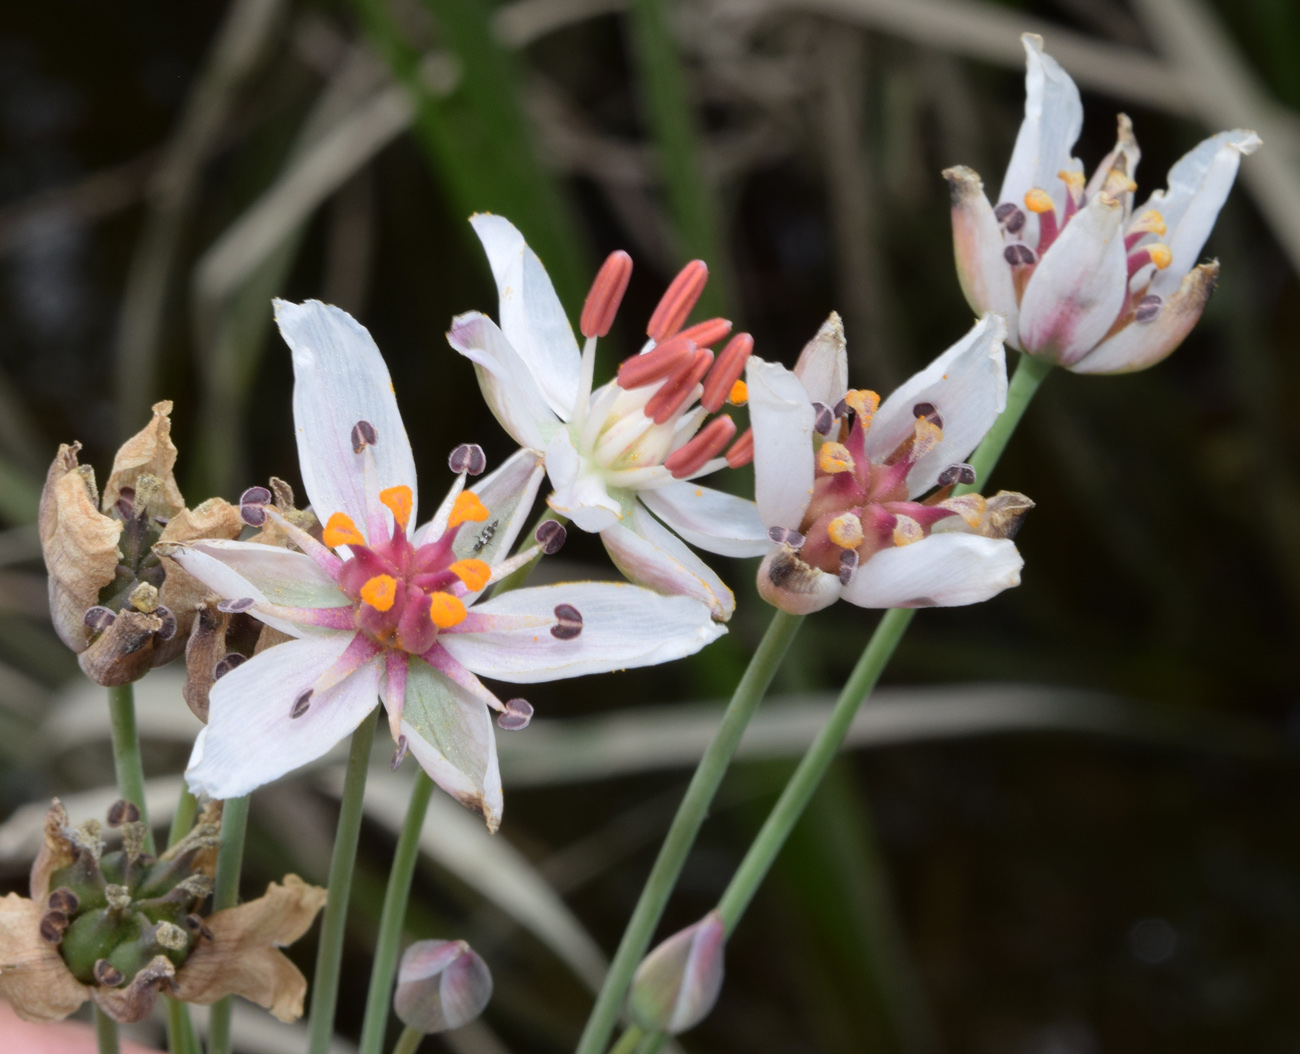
[
  {"x": 1047, "y": 230},
  {"x": 656, "y": 364},
  {"x": 678, "y": 301},
  {"x": 676, "y": 391},
  {"x": 706, "y": 444},
  {"x": 606, "y": 294},
  {"x": 708, "y": 332},
  {"x": 726, "y": 371},
  {"x": 742, "y": 450}
]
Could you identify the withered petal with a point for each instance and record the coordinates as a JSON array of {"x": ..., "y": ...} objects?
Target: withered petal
[
  {"x": 135, "y": 1001},
  {"x": 57, "y": 851},
  {"x": 33, "y": 978},
  {"x": 149, "y": 452},
  {"x": 124, "y": 652}
]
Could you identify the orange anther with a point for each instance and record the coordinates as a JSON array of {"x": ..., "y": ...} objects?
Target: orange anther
[
  {"x": 398, "y": 501},
  {"x": 474, "y": 573},
  {"x": 926, "y": 436},
  {"x": 845, "y": 531},
  {"x": 446, "y": 610},
  {"x": 1160, "y": 255},
  {"x": 864, "y": 403},
  {"x": 606, "y": 294},
  {"x": 467, "y": 507},
  {"x": 678, "y": 301},
  {"x": 380, "y": 592},
  {"x": 907, "y": 531},
  {"x": 739, "y": 394},
  {"x": 834, "y": 458},
  {"x": 340, "y": 530},
  {"x": 1039, "y": 201}
]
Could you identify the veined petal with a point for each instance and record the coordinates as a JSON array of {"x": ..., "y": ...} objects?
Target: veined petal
[
  {"x": 943, "y": 570},
  {"x": 251, "y": 739},
  {"x": 35, "y": 980},
  {"x": 715, "y": 521},
  {"x": 782, "y": 417},
  {"x": 532, "y": 317},
  {"x": 579, "y": 494},
  {"x": 1142, "y": 344},
  {"x": 269, "y": 575},
  {"x": 1079, "y": 286},
  {"x": 450, "y": 732},
  {"x": 508, "y": 495},
  {"x": 977, "y": 244},
  {"x": 1053, "y": 120},
  {"x": 340, "y": 379},
  {"x": 967, "y": 385},
  {"x": 823, "y": 365},
  {"x": 623, "y": 626},
  {"x": 507, "y": 384},
  {"x": 1198, "y": 186},
  {"x": 651, "y": 555}
]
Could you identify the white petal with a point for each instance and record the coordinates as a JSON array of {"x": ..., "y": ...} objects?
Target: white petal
[
  {"x": 507, "y": 385},
  {"x": 508, "y": 495},
  {"x": 823, "y": 365},
  {"x": 782, "y": 419},
  {"x": 715, "y": 521},
  {"x": 623, "y": 626},
  {"x": 250, "y": 738},
  {"x": 1053, "y": 119},
  {"x": 1076, "y": 291},
  {"x": 978, "y": 244},
  {"x": 651, "y": 555},
  {"x": 944, "y": 570},
  {"x": 1198, "y": 186},
  {"x": 267, "y": 574},
  {"x": 1125, "y": 155},
  {"x": 967, "y": 385},
  {"x": 532, "y": 317},
  {"x": 339, "y": 378},
  {"x": 450, "y": 733},
  {"x": 579, "y": 493}
]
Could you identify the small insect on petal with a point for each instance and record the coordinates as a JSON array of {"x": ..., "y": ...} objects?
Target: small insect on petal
[
  {"x": 568, "y": 622},
  {"x": 550, "y": 535},
  {"x": 468, "y": 458},
  {"x": 517, "y": 714},
  {"x": 363, "y": 435}
]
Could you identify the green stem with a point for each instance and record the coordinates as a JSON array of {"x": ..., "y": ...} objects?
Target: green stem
[
  {"x": 1029, "y": 374},
  {"x": 105, "y": 1033},
  {"x": 685, "y": 826},
  {"x": 126, "y": 753},
  {"x": 408, "y": 1041},
  {"x": 329, "y": 956},
  {"x": 392, "y": 917},
  {"x": 225, "y": 894},
  {"x": 183, "y": 818},
  {"x": 181, "y": 1037},
  {"x": 629, "y": 1040}
]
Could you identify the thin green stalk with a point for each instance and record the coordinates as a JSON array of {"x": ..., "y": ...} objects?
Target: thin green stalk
[
  {"x": 329, "y": 956},
  {"x": 181, "y": 1037},
  {"x": 183, "y": 818},
  {"x": 1029, "y": 374},
  {"x": 394, "y": 914},
  {"x": 685, "y": 826},
  {"x": 230, "y": 859},
  {"x": 408, "y": 1041},
  {"x": 629, "y": 1040},
  {"x": 126, "y": 753},
  {"x": 106, "y": 1033}
]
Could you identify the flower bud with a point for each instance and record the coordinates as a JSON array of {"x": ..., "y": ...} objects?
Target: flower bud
[
  {"x": 677, "y": 984},
  {"x": 441, "y": 985}
]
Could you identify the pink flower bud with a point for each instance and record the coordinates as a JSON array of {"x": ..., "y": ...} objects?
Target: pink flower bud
[
  {"x": 441, "y": 985},
  {"x": 677, "y": 984}
]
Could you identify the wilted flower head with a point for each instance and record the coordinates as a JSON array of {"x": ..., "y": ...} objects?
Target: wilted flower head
[
  {"x": 677, "y": 984},
  {"x": 622, "y": 458},
  {"x": 381, "y": 609},
  {"x": 841, "y": 480},
  {"x": 113, "y": 601},
  {"x": 441, "y": 985},
  {"x": 119, "y": 926},
  {"x": 1083, "y": 278}
]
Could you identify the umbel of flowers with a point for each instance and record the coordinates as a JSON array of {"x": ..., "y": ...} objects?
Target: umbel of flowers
[{"x": 120, "y": 926}]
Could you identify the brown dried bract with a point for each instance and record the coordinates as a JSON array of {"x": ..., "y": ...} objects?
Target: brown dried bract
[{"x": 150, "y": 452}]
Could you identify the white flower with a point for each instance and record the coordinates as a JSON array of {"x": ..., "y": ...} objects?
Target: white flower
[
  {"x": 633, "y": 447},
  {"x": 1077, "y": 272},
  {"x": 838, "y": 479},
  {"x": 380, "y": 613}
]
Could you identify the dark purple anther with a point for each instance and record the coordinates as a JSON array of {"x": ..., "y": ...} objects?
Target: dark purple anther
[
  {"x": 468, "y": 458},
  {"x": 399, "y": 755},
  {"x": 98, "y": 618},
  {"x": 253, "y": 515},
  {"x": 53, "y": 923},
  {"x": 568, "y": 622},
  {"x": 1010, "y": 215},
  {"x": 550, "y": 535},
  {"x": 126, "y": 502},
  {"x": 928, "y": 411},
  {"x": 107, "y": 974},
  {"x": 824, "y": 419},
  {"x": 1148, "y": 307},
  {"x": 234, "y": 607},
  {"x": 518, "y": 713},
  {"x": 227, "y": 663},
  {"x": 842, "y": 408},
  {"x": 122, "y": 811},
  {"x": 255, "y": 496},
  {"x": 848, "y": 565},
  {"x": 64, "y": 900},
  {"x": 363, "y": 435},
  {"x": 953, "y": 474},
  {"x": 1018, "y": 255},
  {"x": 301, "y": 703},
  {"x": 786, "y": 536},
  {"x": 168, "y": 628}
]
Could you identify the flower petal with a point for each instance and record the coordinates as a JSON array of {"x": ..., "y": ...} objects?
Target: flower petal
[
  {"x": 250, "y": 738},
  {"x": 967, "y": 385},
  {"x": 1142, "y": 344},
  {"x": 1053, "y": 120},
  {"x": 823, "y": 365},
  {"x": 507, "y": 384},
  {"x": 340, "y": 379},
  {"x": 623, "y": 626},
  {"x": 508, "y": 495},
  {"x": 649, "y": 554},
  {"x": 449, "y": 731},
  {"x": 977, "y": 243},
  {"x": 532, "y": 316},
  {"x": 943, "y": 570},
  {"x": 35, "y": 981},
  {"x": 579, "y": 494},
  {"x": 1198, "y": 186},
  {"x": 1078, "y": 287},
  {"x": 782, "y": 418},
  {"x": 715, "y": 521}
]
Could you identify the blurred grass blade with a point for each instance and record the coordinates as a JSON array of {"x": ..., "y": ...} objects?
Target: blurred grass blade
[
  {"x": 477, "y": 138},
  {"x": 19, "y": 494}
]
